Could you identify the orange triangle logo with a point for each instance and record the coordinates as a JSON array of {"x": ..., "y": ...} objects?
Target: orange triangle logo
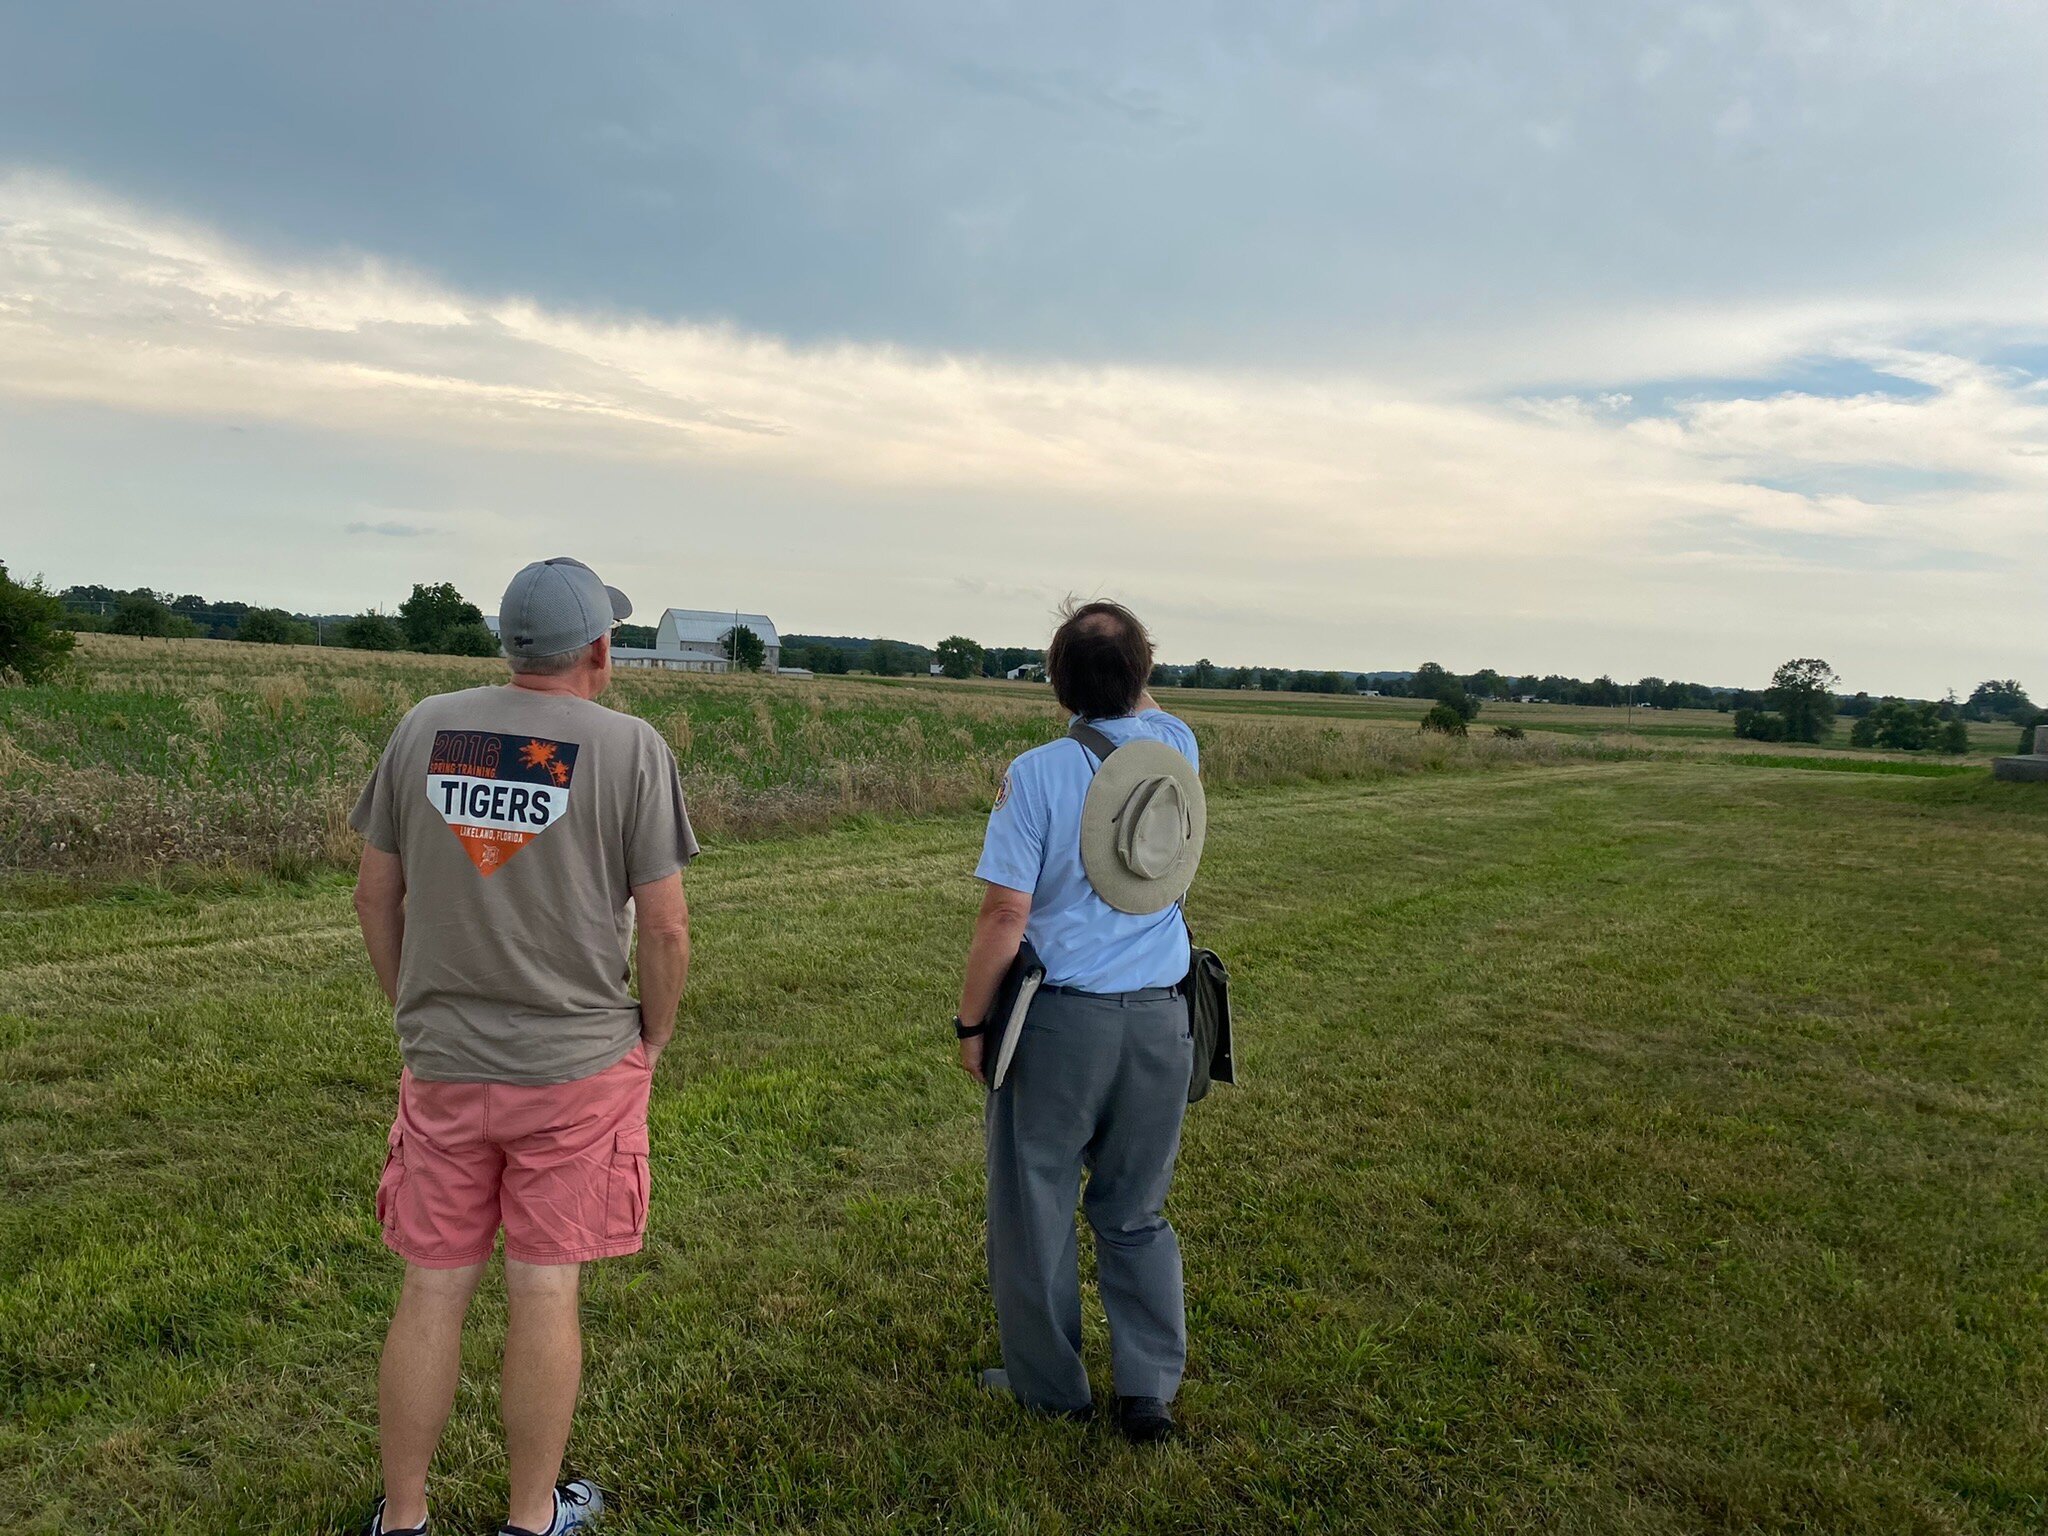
[{"x": 490, "y": 848}]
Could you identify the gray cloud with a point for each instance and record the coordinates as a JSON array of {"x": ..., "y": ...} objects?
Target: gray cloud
[{"x": 388, "y": 530}]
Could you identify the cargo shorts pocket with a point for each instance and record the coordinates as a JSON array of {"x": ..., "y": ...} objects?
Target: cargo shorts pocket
[
  {"x": 389, "y": 1181},
  {"x": 625, "y": 1213}
]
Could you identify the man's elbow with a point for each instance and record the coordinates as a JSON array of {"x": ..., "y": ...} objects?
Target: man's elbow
[
  {"x": 1007, "y": 918},
  {"x": 669, "y": 935}
]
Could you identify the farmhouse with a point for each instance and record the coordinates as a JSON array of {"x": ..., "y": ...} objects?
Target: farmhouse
[{"x": 693, "y": 640}]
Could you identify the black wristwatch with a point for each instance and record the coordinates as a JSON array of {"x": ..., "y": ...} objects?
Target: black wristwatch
[{"x": 967, "y": 1031}]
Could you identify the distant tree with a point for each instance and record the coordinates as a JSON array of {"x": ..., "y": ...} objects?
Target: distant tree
[
  {"x": 1802, "y": 691},
  {"x": 1318, "y": 682},
  {"x": 138, "y": 613},
  {"x": 1487, "y": 684},
  {"x": 887, "y": 658},
  {"x": 433, "y": 617},
  {"x": 32, "y": 645},
  {"x": 1271, "y": 679},
  {"x": 2029, "y": 737},
  {"x": 1162, "y": 675},
  {"x": 743, "y": 648},
  {"x": 273, "y": 626},
  {"x": 1864, "y": 732},
  {"x": 1955, "y": 737},
  {"x": 1202, "y": 674},
  {"x": 959, "y": 656},
  {"x": 1444, "y": 719},
  {"x": 1429, "y": 680},
  {"x": 372, "y": 632},
  {"x": 1856, "y": 707},
  {"x": 2002, "y": 697},
  {"x": 639, "y": 637}
]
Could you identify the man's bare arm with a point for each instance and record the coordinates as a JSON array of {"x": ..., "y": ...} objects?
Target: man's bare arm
[
  {"x": 663, "y": 920},
  {"x": 380, "y": 911},
  {"x": 998, "y": 930}
]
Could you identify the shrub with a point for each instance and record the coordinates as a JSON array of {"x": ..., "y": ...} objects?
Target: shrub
[
  {"x": 1453, "y": 697},
  {"x": 273, "y": 626},
  {"x": 1905, "y": 726},
  {"x": 1955, "y": 737},
  {"x": 468, "y": 640},
  {"x": 1509, "y": 732},
  {"x": 2028, "y": 738},
  {"x": 372, "y": 632},
  {"x": 1445, "y": 719},
  {"x": 31, "y": 644},
  {"x": 1759, "y": 725}
]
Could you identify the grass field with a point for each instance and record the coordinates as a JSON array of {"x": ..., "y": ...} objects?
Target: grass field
[{"x": 1628, "y": 1146}]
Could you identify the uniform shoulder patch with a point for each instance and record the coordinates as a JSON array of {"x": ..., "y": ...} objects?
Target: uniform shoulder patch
[{"x": 1002, "y": 794}]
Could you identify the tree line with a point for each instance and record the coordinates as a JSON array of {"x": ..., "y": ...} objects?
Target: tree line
[
  {"x": 436, "y": 619},
  {"x": 956, "y": 656},
  {"x": 1432, "y": 680},
  {"x": 1801, "y": 705}
]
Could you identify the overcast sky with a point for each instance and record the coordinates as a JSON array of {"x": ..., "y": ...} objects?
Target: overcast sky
[{"x": 1646, "y": 339}]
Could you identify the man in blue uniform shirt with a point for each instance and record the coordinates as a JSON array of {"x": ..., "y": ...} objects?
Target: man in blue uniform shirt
[{"x": 1100, "y": 1077}]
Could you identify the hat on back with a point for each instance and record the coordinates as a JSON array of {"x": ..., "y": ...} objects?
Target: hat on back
[
  {"x": 1143, "y": 823},
  {"x": 556, "y": 605}
]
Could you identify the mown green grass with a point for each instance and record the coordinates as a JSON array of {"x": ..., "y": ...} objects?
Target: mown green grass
[
  {"x": 1909, "y": 768},
  {"x": 1631, "y": 1147}
]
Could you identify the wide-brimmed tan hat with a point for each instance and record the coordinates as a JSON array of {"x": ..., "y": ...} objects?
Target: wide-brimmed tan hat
[{"x": 1142, "y": 827}]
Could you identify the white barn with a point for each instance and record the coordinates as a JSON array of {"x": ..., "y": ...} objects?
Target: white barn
[{"x": 693, "y": 640}]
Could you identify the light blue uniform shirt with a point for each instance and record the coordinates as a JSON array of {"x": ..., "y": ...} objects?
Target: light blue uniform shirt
[{"x": 1034, "y": 844}]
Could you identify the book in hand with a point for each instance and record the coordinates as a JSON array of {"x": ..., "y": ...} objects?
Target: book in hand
[{"x": 1005, "y": 1017}]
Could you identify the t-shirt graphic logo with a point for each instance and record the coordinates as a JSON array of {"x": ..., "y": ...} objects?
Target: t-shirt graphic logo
[{"x": 498, "y": 792}]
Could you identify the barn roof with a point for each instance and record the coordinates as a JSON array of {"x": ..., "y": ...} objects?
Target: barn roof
[{"x": 699, "y": 626}]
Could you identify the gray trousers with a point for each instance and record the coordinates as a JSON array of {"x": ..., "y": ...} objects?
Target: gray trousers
[{"x": 1100, "y": 1084}]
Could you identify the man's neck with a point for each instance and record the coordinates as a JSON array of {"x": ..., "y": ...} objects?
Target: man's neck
[{"x": 563, "y": 683}]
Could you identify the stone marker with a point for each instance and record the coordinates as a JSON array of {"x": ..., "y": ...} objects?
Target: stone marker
[{"x": 2032, "y": 769}]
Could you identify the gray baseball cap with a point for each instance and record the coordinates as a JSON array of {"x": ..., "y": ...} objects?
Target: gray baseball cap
[{"x": 556, "y": 605}]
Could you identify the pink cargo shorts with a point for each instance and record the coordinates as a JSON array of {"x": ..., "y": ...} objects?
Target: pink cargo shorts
[{"x": 563, "y": 1169}]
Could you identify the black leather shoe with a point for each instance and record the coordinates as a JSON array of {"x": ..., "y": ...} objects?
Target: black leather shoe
[{"x": 1144, "y": 1420}]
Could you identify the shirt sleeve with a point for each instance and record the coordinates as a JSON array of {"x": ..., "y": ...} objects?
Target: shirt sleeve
[
  {"x": 658, "y": 837},
  {"x": 1013, "y": 849},
  {"x": 375, "y": 817}
]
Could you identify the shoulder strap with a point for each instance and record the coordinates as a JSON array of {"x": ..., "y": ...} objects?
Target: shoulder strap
[{"x": 1097, "y": 744}]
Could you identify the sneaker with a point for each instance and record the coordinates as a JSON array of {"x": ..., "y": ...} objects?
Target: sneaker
[
  {"x": 1144, "y": 1420},
  {"x": 377, "y": 1527},
  {"x": 577, "y": 1506}
]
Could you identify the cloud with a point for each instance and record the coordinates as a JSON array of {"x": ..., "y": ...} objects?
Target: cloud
[{"x": 1245, "y": 491}]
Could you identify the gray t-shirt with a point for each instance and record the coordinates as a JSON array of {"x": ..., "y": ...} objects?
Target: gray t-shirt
[{"x": 522, "y": 821}]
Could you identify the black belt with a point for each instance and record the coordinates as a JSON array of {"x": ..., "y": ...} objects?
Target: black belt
[{"x": 1121, "y": 999}]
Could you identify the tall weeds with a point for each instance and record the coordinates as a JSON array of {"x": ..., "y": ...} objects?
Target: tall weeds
[{"x": 212, "y": 753}]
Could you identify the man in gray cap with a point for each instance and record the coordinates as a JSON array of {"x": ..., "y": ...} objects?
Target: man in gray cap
[
  {"x": 513, "y": 835},
  {"x": 1092, "y": 843}
]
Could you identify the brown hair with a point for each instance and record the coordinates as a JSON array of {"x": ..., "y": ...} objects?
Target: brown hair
[{"x": 1100, "y": 659}]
